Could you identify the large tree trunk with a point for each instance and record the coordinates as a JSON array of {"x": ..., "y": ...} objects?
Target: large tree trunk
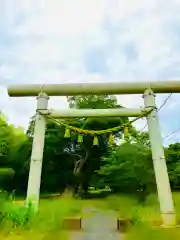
[
  {"x": 69, "y": 192},
  {"x": 78, "y": 173},
  {"x": 73, "y": 190}
]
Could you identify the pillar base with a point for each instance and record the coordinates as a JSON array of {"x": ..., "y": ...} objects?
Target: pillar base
[
  {"x": 123, "y": 225},
  {"x": 72, "y": 223},
  {"x": 169, "y": 220}
]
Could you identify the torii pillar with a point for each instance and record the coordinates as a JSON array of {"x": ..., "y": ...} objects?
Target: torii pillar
[
  {"x": 159, "y": 162},
  {"x": 37, "y": 153}
]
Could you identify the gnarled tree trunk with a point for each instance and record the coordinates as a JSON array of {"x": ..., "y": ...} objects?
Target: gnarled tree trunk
[
  {"x": 78, "y": 173},
  {"x": 74, "y": 189}
]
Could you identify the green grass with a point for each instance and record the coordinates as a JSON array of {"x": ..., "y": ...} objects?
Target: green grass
[
  {"x": 48, "y": 223},
  {"x": 127, "y": 206},
  {"x": 145, "y": 232},
  {"x": 146, "y": 217}
]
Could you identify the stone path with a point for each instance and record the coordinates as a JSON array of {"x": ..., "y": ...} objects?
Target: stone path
[{"x": 96, "y": 225}]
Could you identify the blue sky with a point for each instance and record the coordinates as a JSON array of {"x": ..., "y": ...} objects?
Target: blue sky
[{"x": 57, "y": 41}]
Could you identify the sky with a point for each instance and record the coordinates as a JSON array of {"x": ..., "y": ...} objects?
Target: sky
[{"x": 59, "y": 41}]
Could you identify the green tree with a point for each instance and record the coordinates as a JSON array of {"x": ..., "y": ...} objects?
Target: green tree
[
  {"x": 140, "y": 137},
  {"x": 66, "y": 162},
  {"x": 172, "y": 154},
  {"x": 9, "y": 138},
  {"x": 90, "y": 160},
  {"x": 128, "y": 169}
]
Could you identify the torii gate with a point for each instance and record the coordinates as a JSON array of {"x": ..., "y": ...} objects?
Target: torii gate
[{"x": 148, "y": 89}]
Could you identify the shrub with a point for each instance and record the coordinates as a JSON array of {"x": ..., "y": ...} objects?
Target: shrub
[
  {"x": 3, "y": 197},
  {"x": 19, "y": 215},
  {"x": 136, "y": 218}
]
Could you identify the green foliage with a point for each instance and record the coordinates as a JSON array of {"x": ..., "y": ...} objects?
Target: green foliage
[
  {"x": 173, "y": 162},
  {"x": 19, "y": 216},
  {"x": 135, "y": 218},
  {"x": 93, "y": 102},
  {"x": 15, "y": 215},
  {"x": 6, "y": 172},
  {"x": 128, "y": 169},
  {"x": 6, "y": 176},
  {"x": 49, "y": 218},
  {"x": 3, "y": 198},
  {"x": 141, "y": 138}
]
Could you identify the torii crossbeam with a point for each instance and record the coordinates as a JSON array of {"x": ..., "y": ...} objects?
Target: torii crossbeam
[{"x": 72, "y": 89}]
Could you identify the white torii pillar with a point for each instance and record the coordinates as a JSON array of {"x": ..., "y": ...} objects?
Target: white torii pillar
[
  {"x": 37, "y": 153},
  {"x": 159, "y": 162}
]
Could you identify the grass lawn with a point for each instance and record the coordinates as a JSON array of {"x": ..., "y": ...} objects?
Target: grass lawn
[
  {"x": 48, "y": 223},
  {"x": 146, "y": 217}
]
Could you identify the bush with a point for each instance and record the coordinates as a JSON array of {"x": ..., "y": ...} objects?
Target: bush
[
  {"x": 3, "y": 197},
  {"x": 15, "y": 214},
  {"x": 136, "y": 217},
  {"x": 127, "y": 170},
  {"x": 6, "y": 176},
  {"x": 19, "y": 215}
]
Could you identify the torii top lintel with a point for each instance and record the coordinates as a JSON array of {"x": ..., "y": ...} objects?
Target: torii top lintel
[{"x": 72, "y": 89}]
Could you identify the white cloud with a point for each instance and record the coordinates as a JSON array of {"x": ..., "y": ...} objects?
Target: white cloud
[
  {"x": 65, "y": 19},
  {"x": 49, "y": 39}
]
